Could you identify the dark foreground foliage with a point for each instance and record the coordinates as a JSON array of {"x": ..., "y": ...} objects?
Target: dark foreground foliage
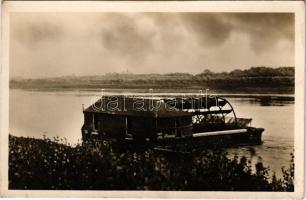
[{"x": 45, "y": 164}]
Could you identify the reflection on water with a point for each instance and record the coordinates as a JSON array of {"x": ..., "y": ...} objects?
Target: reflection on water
[
  {"x": 60, "y": 114},
  {"x": 278, "y": 138},
  {"x": 269, "y": 100}
]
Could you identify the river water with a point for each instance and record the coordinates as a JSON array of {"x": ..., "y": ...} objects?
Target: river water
[{"x": 59, "y": 113}]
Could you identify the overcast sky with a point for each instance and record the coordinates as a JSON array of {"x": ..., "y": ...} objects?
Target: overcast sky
[{"x": 59, "y": 44}]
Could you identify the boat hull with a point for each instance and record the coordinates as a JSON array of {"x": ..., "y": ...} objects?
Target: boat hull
[
  {"x": 249, "y": 135},
  {"x": 219, "y": 139}
]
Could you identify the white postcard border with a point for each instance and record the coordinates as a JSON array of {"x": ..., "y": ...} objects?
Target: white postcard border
[{"x": 296, "y": 7}]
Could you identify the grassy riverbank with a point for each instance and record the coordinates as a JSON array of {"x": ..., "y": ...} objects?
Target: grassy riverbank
[{"x": 52, "y": 164}]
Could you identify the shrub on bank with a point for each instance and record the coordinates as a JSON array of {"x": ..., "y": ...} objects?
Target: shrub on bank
[{"x": 49, "y": 164}]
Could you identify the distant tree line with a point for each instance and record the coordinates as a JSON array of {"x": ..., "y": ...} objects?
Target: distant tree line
[{"x": 256, "y": 78}]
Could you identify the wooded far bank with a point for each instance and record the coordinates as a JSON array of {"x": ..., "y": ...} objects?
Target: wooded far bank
[{"x": 253, "y": 80}]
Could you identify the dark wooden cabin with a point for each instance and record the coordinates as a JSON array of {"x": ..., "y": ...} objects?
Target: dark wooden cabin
[
  {"x": 124, "y": 118},
  {"x": 167, "y": 120}
]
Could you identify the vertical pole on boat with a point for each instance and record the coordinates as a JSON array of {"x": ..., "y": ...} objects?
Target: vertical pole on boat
[
  {"x": 175, "y": 127},
  {"x": 201, "y": 99},
  {"x": 93, "y": 121},
  {"x": 126, "y": 126},
  {"x": 151, "y": 99},
  {"x": 206, "y": 97},
  {"x": 102, "y": 96}
]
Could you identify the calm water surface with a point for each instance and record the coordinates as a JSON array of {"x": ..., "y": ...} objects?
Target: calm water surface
[{"x": 35, "y": 114}]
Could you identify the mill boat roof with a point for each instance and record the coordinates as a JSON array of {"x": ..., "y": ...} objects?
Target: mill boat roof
[{"x": 147, "y": 106}]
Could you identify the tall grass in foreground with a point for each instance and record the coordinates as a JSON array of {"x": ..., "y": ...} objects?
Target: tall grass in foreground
[{"x": 47, "y": 164}]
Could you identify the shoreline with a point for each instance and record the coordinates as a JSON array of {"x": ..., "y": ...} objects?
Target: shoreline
[{"x": 143, "y": 92}]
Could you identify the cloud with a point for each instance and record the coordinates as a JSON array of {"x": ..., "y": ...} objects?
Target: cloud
[
  {"x": 263, "y": 29},
  {"x": 32, "y": 31},
  {"x": 211, "y": 29},
  {"x": 55, "y": 44},
  {"x": 124, "y": 36}
]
